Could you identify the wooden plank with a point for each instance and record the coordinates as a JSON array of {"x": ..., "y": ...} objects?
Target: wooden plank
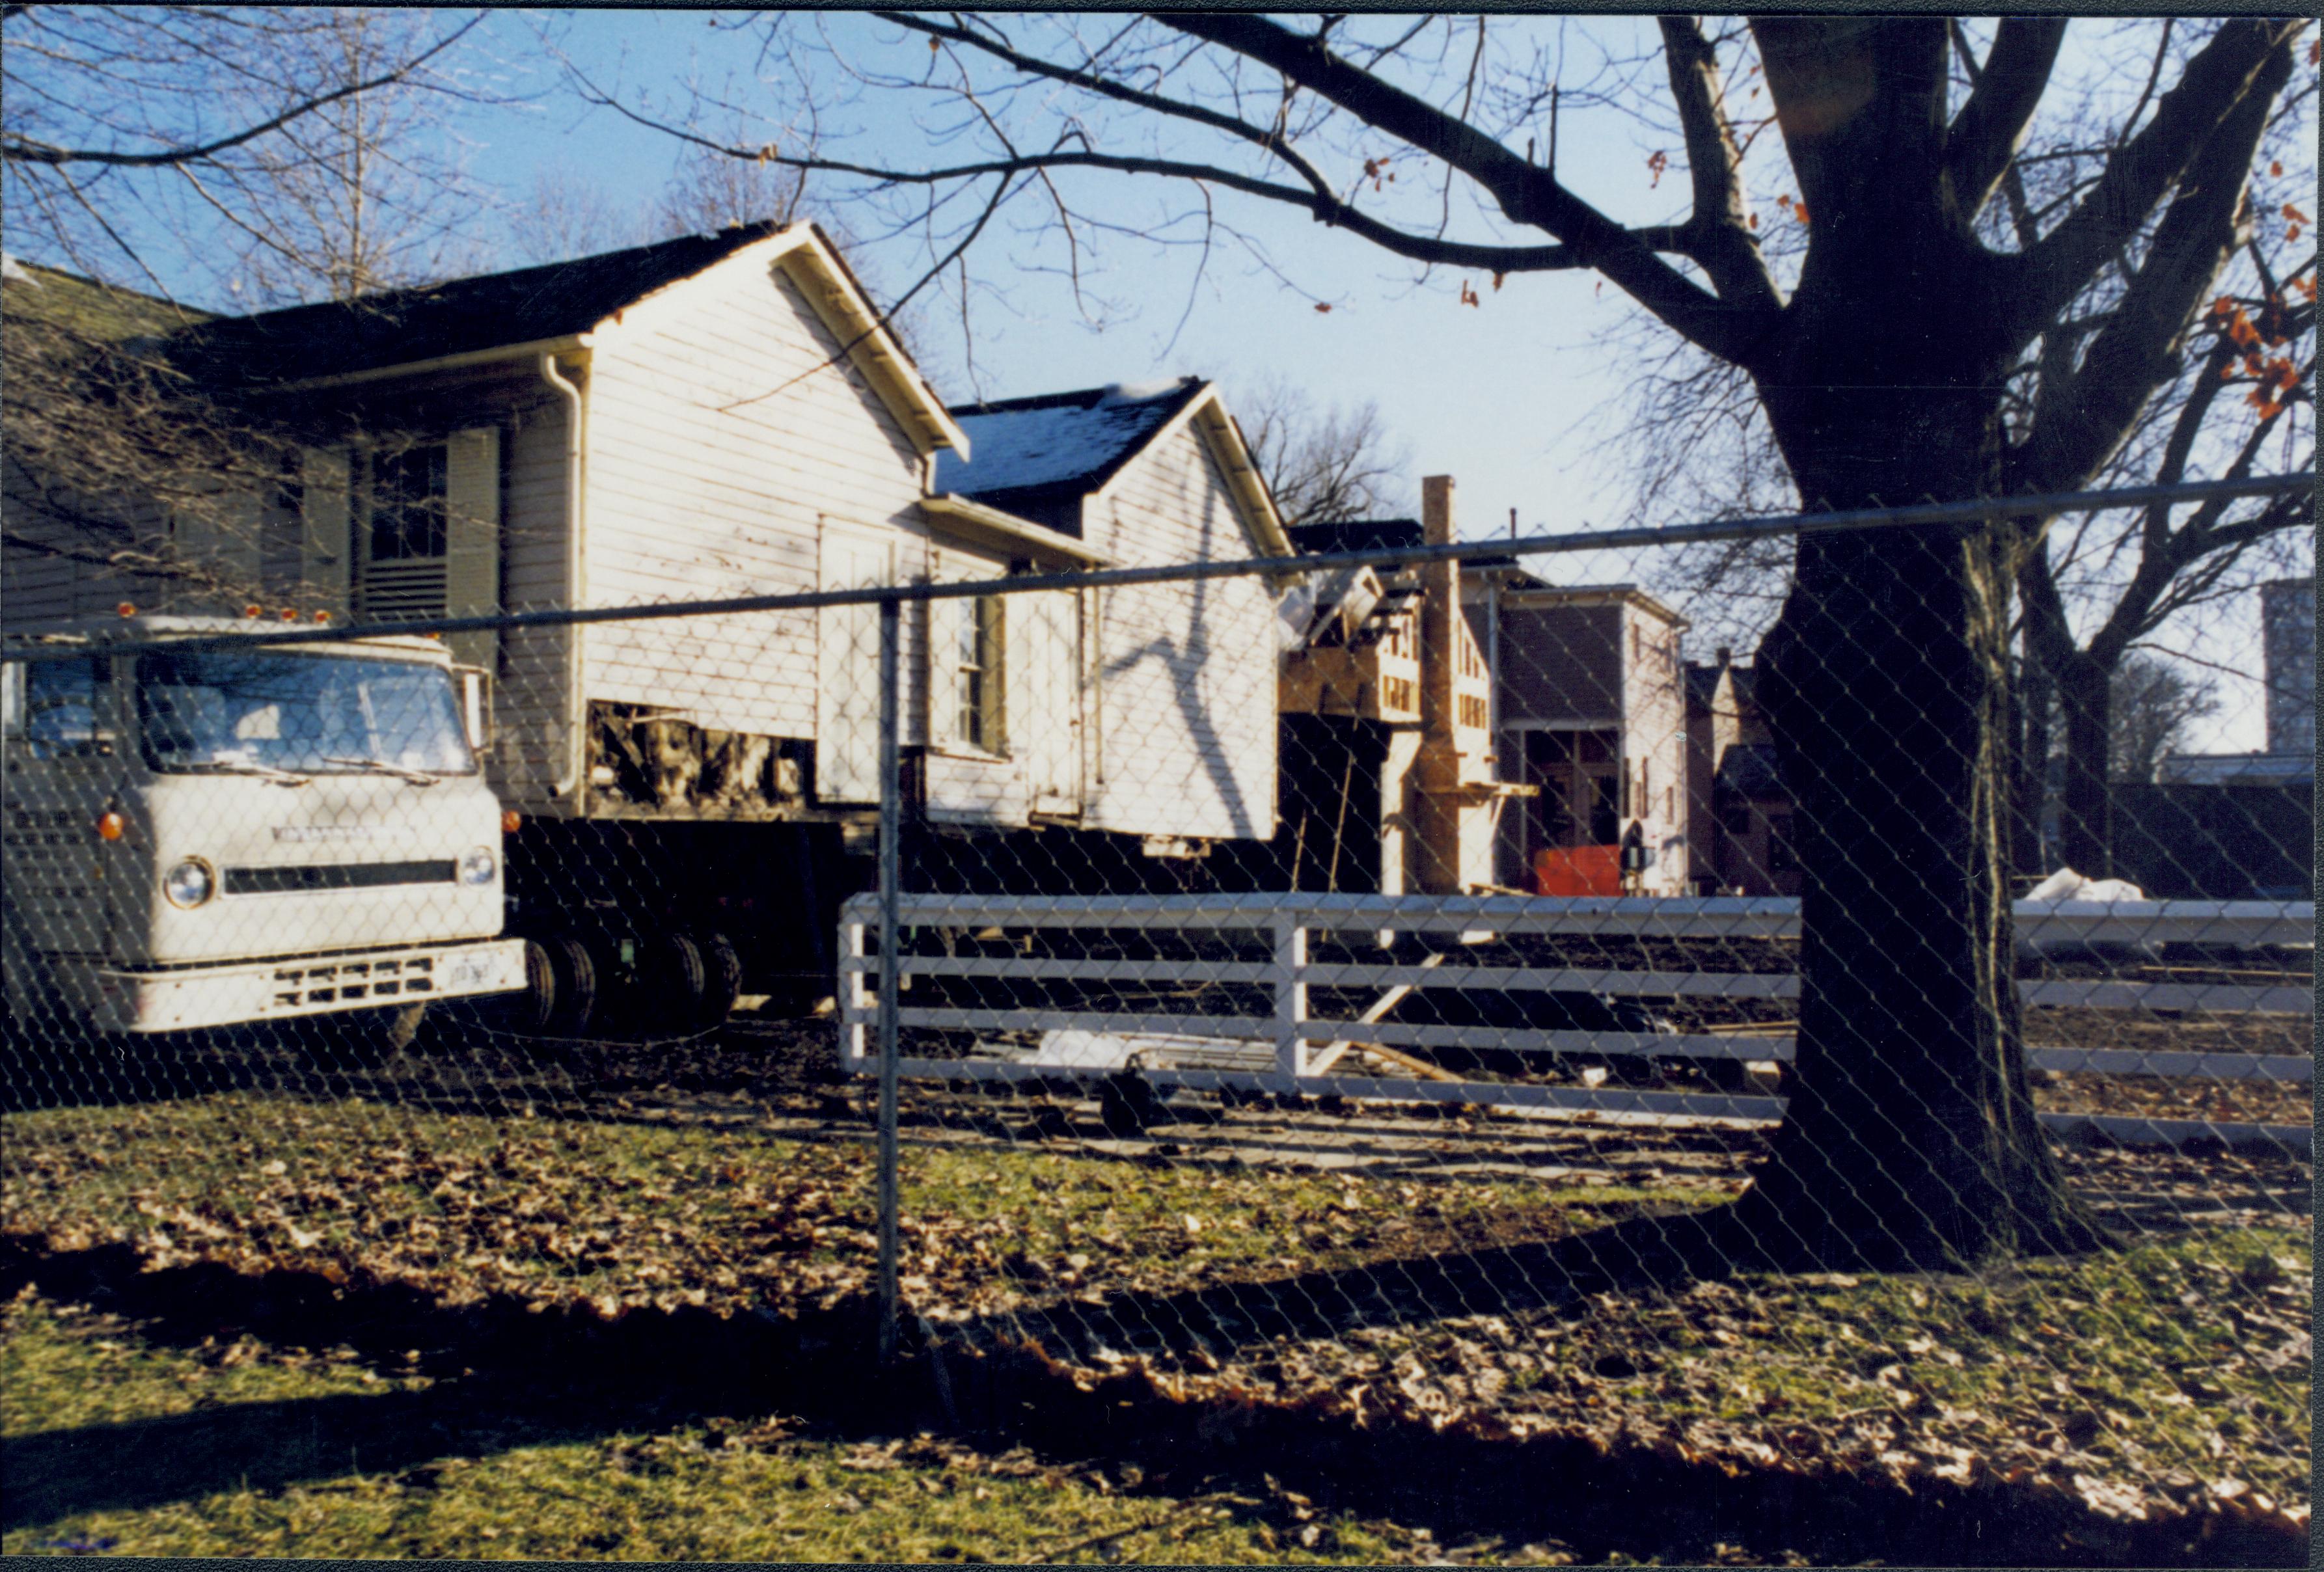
[
  {"x": 2218, "y": 996},
  {"x": 2279, "y": 1067},
  {"x": 2231, "y": 922}
]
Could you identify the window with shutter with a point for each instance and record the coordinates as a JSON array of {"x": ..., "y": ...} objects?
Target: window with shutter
[{"x": 400, "y": 540}]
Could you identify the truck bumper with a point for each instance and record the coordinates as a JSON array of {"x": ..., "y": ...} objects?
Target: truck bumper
[{"x": 123, "y": 1000}]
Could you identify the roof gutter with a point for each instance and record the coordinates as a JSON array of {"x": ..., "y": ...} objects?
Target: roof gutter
[
  {"x": 576, "y": 711},
  {"x": 970, "y": 517},
  {"x": 531, "y": 350}
]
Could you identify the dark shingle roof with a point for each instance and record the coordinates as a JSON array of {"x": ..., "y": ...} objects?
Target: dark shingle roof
[
  {"x": 99, "y": 312},
  {"x": 1356, "y": 535},
  {"x": 404, "y": 326},
  {"x": 1057, "y": 445}
]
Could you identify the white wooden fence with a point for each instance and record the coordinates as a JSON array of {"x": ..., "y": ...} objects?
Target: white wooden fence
[{"x": 1291, "y": 1050}]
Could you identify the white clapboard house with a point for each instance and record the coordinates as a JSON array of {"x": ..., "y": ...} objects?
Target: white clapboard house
[
  {"x": 724, "y": 416},
  {"x": 1142, "y": 710}
]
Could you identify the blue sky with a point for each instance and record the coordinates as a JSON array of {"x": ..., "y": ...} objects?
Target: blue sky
[
  {"x": 1520, "y": 397},
  {"x": 1442, "y": 373}
]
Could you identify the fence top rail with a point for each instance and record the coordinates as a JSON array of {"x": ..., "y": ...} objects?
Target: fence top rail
[
  {"x": 2238, "y": 922},
  {"x": 1966, "y": 510}
]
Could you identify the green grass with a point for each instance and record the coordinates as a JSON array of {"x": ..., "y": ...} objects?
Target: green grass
[
  {"x": 2149, "y": 1375},
  {"x": 627, "y": 1214},
  {"x": 718, "y": 1491}
]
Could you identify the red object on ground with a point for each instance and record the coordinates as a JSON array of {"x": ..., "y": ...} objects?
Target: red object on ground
[{"x": 1578, "y": 871}]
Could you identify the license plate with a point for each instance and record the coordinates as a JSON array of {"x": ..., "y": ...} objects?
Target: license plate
[{"x": 472, "y": 971}]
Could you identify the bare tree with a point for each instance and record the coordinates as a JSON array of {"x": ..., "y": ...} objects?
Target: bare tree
[
  {"x": 565, "y": 214},
  {"x": 1882, "y": 363},
  {"x": 710, "y": 193},
  {"x": 2153, "y": 704},
  {"x": 299, "y": 143},
  {"x": 1321, "y": 465},
  {"x": 269, "y": 154},
  {"x": 113, "y": 467}
]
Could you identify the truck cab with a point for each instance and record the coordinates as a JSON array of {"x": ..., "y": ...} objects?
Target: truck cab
[{"x": 218, "y": 835}]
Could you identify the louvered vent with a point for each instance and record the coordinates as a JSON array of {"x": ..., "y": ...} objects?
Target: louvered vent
[{"x": 411, "y": 588}]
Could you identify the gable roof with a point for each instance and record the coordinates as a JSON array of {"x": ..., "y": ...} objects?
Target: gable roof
[
  {"x": 1043, "y": 457},
  {"x": 1057, "y": 445},
  {"x": 539, "y": 305},
  {"x": 400, "y": 327}
]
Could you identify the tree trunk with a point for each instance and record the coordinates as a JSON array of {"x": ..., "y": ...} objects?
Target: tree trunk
[
  {"x": 2086, "y": 806},
  {"x": 1911, "y": 1138},
  {"x": 2034, "y": 704}
]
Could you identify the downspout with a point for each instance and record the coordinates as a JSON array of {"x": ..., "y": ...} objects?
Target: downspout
[{"x": 576, "y": 729}]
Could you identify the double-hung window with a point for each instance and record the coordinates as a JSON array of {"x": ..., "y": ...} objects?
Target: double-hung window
[{"x": 980, "y": 714}]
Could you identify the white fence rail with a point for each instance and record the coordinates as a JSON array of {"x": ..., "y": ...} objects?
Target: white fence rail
[{"x": 1292, "y": 1049}]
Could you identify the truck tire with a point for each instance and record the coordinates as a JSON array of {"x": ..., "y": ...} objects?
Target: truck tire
[
  {"x": 531, "y": 1010},
  {"x": 723, "y": 963},
  {"x": 673, "y": 984},
  {"x": 573, "y": 991}
]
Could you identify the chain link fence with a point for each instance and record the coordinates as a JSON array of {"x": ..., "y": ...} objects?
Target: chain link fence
[{"x": 1335, "y": 1001}]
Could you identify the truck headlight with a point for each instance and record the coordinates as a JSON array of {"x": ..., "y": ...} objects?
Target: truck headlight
[
  {"x": 477, "y": 864},
  {"x": 189, "y": 883}
]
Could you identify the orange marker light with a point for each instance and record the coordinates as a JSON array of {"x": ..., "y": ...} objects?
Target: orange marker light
[
  {"x": 510, "y": 821},
  {"x": 111, "y": 826},
  {"x": 125, "y": 609},
  {"x": 290, "y": 614},
  {"x": 250, "y": 610},
  {"x": 322, "y": 616}
]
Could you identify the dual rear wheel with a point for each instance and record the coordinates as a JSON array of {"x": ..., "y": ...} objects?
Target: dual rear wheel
[{"x": 672, "y": 983}]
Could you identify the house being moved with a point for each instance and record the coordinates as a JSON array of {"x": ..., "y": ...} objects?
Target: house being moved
[{"x": 722, "y": 415}]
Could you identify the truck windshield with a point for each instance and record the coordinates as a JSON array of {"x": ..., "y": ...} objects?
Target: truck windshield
[{"x": 315, "y": 715}]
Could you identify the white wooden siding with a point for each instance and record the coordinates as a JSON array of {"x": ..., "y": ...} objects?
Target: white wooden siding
[
  {"x": 1185, "y": 741},
  {"x": 721, "y": 437}
]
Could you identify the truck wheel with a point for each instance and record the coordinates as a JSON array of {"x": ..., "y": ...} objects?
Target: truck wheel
[
  {"x": 572, "y": 989},
  {"x": 533, "y": 1008},
  {"x": 673, "y": 983},
  {"x": 723, "y": 964}
]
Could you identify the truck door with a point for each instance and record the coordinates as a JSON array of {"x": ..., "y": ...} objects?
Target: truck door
[
  {"x": 847, "y": 687},
  {"x": 1044, "y": 641},
  {"x": 62, "y": 775}
]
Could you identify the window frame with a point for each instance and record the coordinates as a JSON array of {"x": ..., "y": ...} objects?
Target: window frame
[{"x": 979, "y": 676}]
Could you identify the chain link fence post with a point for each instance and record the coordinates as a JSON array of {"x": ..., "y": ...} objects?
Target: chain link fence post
[{"x": 890, "y": 864}]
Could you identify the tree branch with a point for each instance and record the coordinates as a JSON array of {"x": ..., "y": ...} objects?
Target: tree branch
[
  {"x": 1718, "y": 237},
  {"x": 2209, "y": 91},
  {"x": 1268, "y": 139},
  {"x": 1325, "y": 207},
  {"x": 1984, "y": 136},
  {"x": 2137, "y": 348},
  {"x": 19, "y": 150},
  {"x": 1526, "y": 194}
]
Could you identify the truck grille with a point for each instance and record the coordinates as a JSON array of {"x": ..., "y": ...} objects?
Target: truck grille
[
  {"x": 320, "y": 876},
  {"x": 339, "y": 981}
]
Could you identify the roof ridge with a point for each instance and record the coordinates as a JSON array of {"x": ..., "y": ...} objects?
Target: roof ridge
[
  {"x": 719, "y": 244},
  {"x": 1083, "y": 398}
]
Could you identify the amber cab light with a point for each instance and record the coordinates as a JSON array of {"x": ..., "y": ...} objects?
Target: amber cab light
[
  {"x": 510, "y": 821},
  {"x": 322, "y": 616},
  {"x": 126, "y": 608},
  {"x": 111, "y": 826},
  {"x": 249, "y": 611}
]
